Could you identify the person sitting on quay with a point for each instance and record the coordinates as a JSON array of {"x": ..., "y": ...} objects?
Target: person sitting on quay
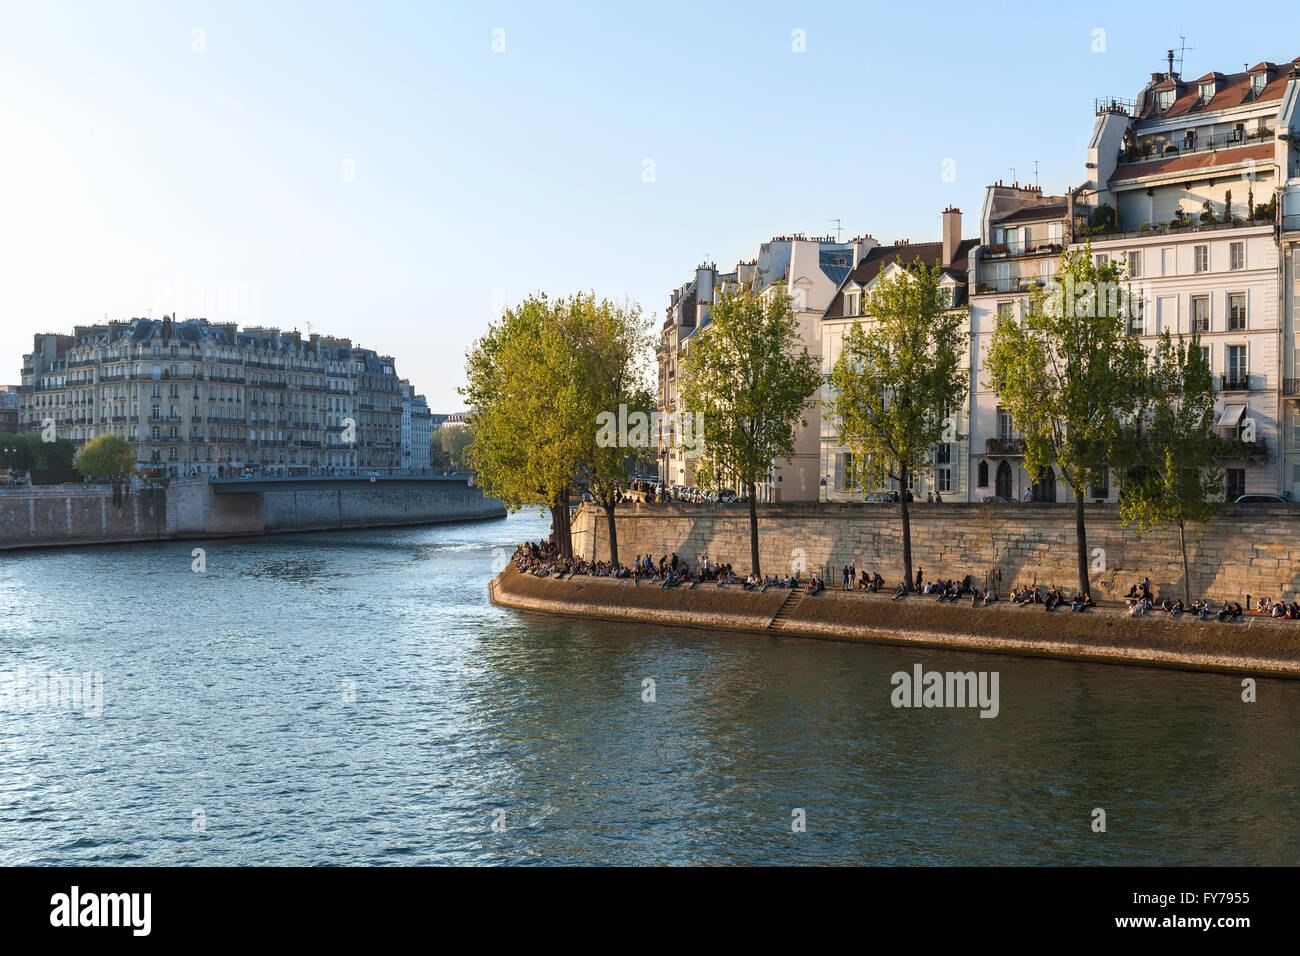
[
  {"x": 1054, "y": 599},
  {"x": 1082, "y": 602},
  {"x": 1139, "y": 609},
  {"x": 1177, "y": 608},
  {"x": 899, "y": 591},
  {"x": 990, "y": 597}
]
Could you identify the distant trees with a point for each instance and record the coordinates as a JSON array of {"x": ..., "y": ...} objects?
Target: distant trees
[
  {"x": 450, "y": 447},
  {"x": 898, "y": 384},
  {"x": 106, "y": 455},
  {"x": 30, "y": 452},
  {"x": 747, "y": 380}
]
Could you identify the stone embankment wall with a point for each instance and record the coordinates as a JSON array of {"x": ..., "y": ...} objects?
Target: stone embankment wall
[
  {"x": 69, "y": 515},
  {"x": 1251, "y": 550},
  {"x": 1254, "y": 645}
]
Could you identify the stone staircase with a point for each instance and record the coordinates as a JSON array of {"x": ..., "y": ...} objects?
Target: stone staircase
[{"x": 786, "y": 610}]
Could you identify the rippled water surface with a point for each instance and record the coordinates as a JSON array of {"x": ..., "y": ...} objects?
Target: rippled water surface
[{"x": 353, "y": 698}]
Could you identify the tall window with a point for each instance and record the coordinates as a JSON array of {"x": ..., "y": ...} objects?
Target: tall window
[
  {"x": 1004, "y": 277},
  {"x": 943, "y": 467},
  {"x": 1235, "y": 372},
  {"x": 1258, "y": 82},
  {"x": 1236, "y": 312},
  {"x": 1201, "y": 258},
  {"x": 1135, "y": 264},
  {"x": 1137, "y": 318},
  {"x": 1237, "y": 256},
  {"x": 1201, "y": 313},
  {"x": 851, "y": 304},
  {"x": 1006, "y": 429}
]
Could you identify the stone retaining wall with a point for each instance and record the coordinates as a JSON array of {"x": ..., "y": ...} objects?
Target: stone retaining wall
[{"x": 1249, "y": 550}]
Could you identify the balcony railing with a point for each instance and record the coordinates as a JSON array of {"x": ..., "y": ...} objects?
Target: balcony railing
[
  {"x": 1236, "y": 383},
  {"x": 1237, "y": 448},
  {"x": 1291, "y": 386},
  {"x": 1005, "y": 251},
  {"x": 1004, "y": 446},
  {"x": 1162, "y": 228},
  {"x": 1232, "y": 139},
  {"x": 1291, "y": 223}
]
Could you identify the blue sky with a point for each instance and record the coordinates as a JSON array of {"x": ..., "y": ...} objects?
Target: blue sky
[{"x": 380, "y": 172}]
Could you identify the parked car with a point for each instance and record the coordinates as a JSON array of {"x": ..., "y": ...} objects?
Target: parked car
[
  {"x": 996, "y": 500},
  {"x": 1260, "y": 499},
  {"x": 879, "y": 497}
]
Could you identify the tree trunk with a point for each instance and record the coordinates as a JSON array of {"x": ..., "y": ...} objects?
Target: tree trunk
[
  {"x": 557, "y": 525},
  {"x": 753, "y": 529},
  {"x": 1187, "y": 581},
  {"x": 907, "y": 530},
  {"x": 1081, "y": 535},
  {"x": 564, "y": 527},
  {"x": 613, "y": 533}
]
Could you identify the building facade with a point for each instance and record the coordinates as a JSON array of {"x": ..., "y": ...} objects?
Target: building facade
[
  {"x": 197, "y": 397},
  {"x": 848, "y": 307}
]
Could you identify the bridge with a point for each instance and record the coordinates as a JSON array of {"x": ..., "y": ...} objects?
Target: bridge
[{"x": 243, "y": 486}]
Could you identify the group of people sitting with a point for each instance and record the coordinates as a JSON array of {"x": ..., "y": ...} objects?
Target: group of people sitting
[{"x": 1142, "y": 603}]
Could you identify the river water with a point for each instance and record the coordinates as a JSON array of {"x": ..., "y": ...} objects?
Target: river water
[{"x": 353, "y": 698}]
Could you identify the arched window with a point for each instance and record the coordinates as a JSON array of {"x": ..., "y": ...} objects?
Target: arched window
[{"x": 983, "y": 475}]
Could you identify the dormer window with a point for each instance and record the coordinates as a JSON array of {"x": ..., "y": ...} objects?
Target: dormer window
[
  {"x": 1207, "y": 91},
  {"x": 1166, "y": 99},
  {"x": 1189, "y": 139},
  {"x": 1257, "y": 82},
  {"x": 852, "y": 301}
]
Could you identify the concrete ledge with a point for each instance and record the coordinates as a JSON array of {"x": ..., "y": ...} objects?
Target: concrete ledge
[{"x": 1255, "y": 646}]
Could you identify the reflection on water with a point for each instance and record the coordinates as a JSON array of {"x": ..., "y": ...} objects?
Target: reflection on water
[{"x": 352, "y": 697}]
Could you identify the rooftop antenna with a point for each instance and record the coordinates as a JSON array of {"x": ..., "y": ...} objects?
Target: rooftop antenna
[
  {"x": 1182, "y": 48},
  {"x": 1013, "y": 174},
  {"x": 1035, "y": 174},
  {"x": 837, "y": 228}
]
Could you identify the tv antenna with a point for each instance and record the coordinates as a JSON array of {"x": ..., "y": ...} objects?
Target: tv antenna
[
  {"x": 1035, "y": 173},
  {"x": 1182, "y": 48},
  {"x": 837, "y": 228}
]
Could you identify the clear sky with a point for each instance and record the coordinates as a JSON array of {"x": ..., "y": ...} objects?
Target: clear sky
[{"x": 380, "y": 171}]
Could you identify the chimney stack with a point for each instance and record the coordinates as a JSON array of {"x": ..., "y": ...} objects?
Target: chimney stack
[{"x": 951, "y": 234}]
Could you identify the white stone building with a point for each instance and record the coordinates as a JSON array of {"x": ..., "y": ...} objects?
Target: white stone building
[{"x": 846, "y": 308}]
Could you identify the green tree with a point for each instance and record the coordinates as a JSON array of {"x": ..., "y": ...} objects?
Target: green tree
[
  {"x": 31, "y": 452},
  {"x": 450, "y": 446},
  {"x": 898, "y": 383},
  {"x": 530, "y": 429},
  {"x": 106, "y": 455},
  {"x": 613, "y": 346},
  {"x": 747, "y": 380},
  {"x": 1070, "y": 377},
  {"x": 1175, "y": 479}
]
